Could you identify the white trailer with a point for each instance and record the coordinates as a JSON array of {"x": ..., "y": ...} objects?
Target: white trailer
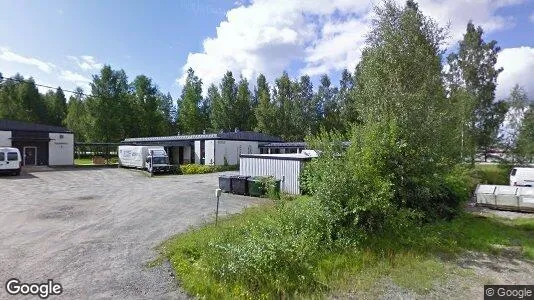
[{"x": 151, "y": 158}]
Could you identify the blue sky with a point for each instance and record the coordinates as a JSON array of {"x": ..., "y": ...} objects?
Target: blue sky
[{"x": 64, "y": 42}]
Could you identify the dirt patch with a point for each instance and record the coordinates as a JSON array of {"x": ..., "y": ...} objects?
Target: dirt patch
[{"x": 63, "y": 212}]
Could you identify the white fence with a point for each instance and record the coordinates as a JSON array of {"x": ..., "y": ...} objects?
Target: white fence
[{"x": 506, "y": 197}]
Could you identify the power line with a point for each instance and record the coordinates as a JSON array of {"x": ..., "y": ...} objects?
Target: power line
[{"x": 41, "y": 85}]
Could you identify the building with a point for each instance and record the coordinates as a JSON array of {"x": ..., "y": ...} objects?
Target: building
[
  {"x": 41, "y": 145},
  {"x": 207, "y": 149},
  {"x": 282, "y": 147},
  {"x": 284, "y": 167}
]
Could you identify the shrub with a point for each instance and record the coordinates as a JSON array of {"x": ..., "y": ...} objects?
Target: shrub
[
  {"x": 260, "y": 254},
  {"x": 224, "y": 168},
  {"x": 197, "y": 169}
]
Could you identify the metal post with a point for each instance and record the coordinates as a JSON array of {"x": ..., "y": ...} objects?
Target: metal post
[{"x": 218, "y": 195}]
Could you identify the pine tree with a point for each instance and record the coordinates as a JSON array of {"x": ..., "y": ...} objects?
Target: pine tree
[
  {"x": 190, "y": 118},
  {"x": 242, "y": 109},
  {"x": 265, "y": 110}
]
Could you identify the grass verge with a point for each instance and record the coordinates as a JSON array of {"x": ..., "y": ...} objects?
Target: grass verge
[{"x": 274, "y": 251}]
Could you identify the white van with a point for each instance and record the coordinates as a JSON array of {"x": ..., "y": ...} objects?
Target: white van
[
  {"x": 522, "y": 177},
  {"x": 10, "y": 160}
]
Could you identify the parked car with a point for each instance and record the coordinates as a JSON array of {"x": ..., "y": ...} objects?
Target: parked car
[
  {"x": 522, "y": 177},
  {"x": 10, "y": 161}
]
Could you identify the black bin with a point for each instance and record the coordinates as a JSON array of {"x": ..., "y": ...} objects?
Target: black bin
[
  {"x": 225, "y": 183},
  {"x": 239, "y": 184}
]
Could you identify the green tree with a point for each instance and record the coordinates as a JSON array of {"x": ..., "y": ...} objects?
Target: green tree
[
  {"x": 265, "y": 111},
  {"x": 10, "y": 105},
  {"x": 76, "y": 118},
  {"x": 475, "y": 69},
  {"x": 169, "y": 113},
  {"x": 108, "y": 106},
  {"x": 191, "y": 118},
  {"x": 223, "y": 113},
  {"x": 285, "y": 98},
  {"x": 242, "y": 109},
  {"x": 349, "y": 114},
  {"x": 400, "y": 91},
  {"x": 307, "y": 106},
  {"x": 31, "y": 101},
  {"x": 57, "y": 107},
  {"x": 146, "y": 99},
  {"x": 329, "y": 106}
]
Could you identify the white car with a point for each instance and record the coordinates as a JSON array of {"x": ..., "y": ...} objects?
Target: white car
[
  {"x": 522, "y": 177},
  {"x": 10, "y": 160}
]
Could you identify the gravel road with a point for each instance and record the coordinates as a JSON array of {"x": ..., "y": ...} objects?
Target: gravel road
[{"x": 93, "y": 230}]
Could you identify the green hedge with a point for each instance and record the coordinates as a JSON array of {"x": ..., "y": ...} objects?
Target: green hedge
[{"x": 204, "y": 169}]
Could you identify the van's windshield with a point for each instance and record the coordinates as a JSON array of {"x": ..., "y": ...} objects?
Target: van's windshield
[
  {"x": 2, "y": 156},
  {"x": 12, "y": 156},
  {"x": 160, "y": 160}
]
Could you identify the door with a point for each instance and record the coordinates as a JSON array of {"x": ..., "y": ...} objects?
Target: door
[
  {"x": 180, "y": 155},
  {"x": 30, "y": 156}
]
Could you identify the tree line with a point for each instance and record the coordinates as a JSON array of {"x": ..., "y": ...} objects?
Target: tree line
[{"x": 290, "y": 108}]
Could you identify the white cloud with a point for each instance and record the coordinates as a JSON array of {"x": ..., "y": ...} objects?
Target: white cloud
[
  {"x": 76, "y": 78},
  {"x": 323, "y": 36},
  {"x": 7, "y": 55},
  {"x": 518, "y": 68},
  {"x": 86, "y": 62}
]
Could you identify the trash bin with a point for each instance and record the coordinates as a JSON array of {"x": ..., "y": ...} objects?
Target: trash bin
[
  {"x": 239, "y": 185},
  {"x": 225, "y": 183},
  {"x": 255, "y": 187}
]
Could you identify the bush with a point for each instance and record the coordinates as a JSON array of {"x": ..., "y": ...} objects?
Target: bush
[
  {"x": 203, "y": 169},
  {"x": 197, "y": 169},
  {"x": 260, "y": 254},
  {"x": 492, "y": 174}
]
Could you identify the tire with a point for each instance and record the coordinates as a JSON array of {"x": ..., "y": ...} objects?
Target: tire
[{"x": 17, "y": 173}]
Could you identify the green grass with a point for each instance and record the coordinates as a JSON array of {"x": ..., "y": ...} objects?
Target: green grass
[
  {"x": 271, "y": 252},
  {"x": 89, "y": 161},
  {"x": 493, "y": 174},
  {"x": 83, "y": 161}
]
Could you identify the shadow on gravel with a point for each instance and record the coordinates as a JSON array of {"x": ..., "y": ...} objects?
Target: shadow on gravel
[{"x": 21, "y": 176}]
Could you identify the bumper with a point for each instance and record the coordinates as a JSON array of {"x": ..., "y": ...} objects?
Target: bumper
[{"x": 162, "y": 169}]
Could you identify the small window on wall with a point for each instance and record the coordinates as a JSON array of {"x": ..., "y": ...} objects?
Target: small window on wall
[
  {"x": 2, "y": 156},
  {"x": 12, "y": 156}
]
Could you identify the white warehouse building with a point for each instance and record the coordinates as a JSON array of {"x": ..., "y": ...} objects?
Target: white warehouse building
[
  {"x": 39, "y": 144},
  {"x": 207, "y": 149}
]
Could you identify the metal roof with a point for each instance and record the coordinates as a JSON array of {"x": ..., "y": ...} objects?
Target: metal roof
[
  {"x": 285, "y": 145},
  {"x": 240, "y": 136},
  {"x": 288, "y": 156},
  {"x": 11, "y": 125}
]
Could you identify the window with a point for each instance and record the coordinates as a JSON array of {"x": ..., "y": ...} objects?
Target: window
[
  {"x": 2, "y": 156},
  {"x": 160, "y": 160},
  {"x": 513, "y": 172},
  {"x": 12, "y": 156}
]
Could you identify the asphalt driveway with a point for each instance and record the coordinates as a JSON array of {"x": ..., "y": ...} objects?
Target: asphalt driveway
[{"x": 93, "y": 230}]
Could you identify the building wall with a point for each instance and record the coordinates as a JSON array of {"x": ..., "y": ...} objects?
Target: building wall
[
  {"x": 5, "y": 138},
  {"x": 210, "y": 152},
  {"x": 61, "y": 149},
  {"x": 287, "y": 171},
  {"x": 232, "y": 149},
  {"x": 187, "y": 155},
  {"x": 197, "y": 152}
]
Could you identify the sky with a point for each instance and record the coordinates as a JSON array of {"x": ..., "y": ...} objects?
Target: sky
[{"x": 64, "y": 42}]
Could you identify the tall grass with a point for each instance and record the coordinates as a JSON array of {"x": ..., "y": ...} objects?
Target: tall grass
[{"x": 285, "y": 251}]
